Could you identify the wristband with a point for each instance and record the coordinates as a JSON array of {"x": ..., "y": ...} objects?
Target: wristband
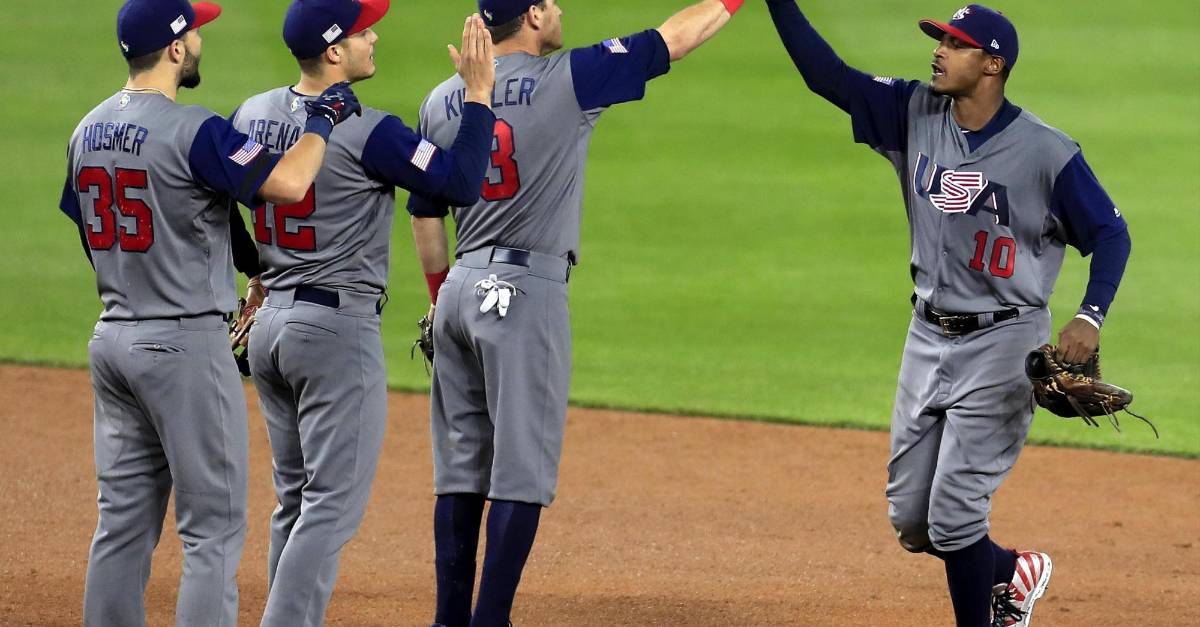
[
  {"x": 434, "y": 281},
  {"x": 1091, "y": 314},
  {"x": 733, "y": 5},
  {"x": 319, "y": 125}
]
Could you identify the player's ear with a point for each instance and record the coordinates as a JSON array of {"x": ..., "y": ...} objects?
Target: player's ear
[
  {"x": 534, "y": 16},
  {"x": 176, "y": 51},
  {"x": 994, "y": 66},
  {"x": 335, "y": 54}
]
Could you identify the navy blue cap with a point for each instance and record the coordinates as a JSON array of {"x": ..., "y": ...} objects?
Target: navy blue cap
[
  {"x": 981, "y": 27},
  {"x": 311, "y": 26},
  {"x": 144, "y": 26},
  {"x": 496, "y": 12}
]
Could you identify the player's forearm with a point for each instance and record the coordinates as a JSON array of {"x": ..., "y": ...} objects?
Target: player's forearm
[
  {"x": 471, "y": 151},
  {"x": 288, "y": 183},
  {"x": 824, "y": 72},
  {"x": 433, "y": 250},
  {"x": 1109, "y": 258},
  {"x": 687, "y": 29}
]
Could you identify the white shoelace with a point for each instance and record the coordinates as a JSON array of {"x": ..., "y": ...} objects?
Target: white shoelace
[{"x": 495, "y": 293}]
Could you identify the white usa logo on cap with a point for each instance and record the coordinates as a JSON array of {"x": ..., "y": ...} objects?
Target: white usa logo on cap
[
  {"x": 124, "y": 46},
  {"x": 332, "y": 33},
  {"x": 961, "y": 13},
  {"x": 179, "y": 24},
  {"x": 488, "y": 15}
]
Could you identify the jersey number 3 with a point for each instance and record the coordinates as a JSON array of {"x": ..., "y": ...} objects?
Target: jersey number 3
[
  {"x": 303, "y": 238},
  {"x": 504, "y": 148},
  {"x": 97, "y": 178}
]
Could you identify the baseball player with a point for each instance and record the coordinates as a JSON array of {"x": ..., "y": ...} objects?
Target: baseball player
[
  {"x": 315, "y": 350},
  {"x": 502, "y": 332},
  {"x": 993, "y": 196},
  {"x": 145, "y": 185}
]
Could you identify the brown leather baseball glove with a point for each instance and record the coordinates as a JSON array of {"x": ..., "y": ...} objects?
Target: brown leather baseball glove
[
  {"x": 424, "y": 341},
  {"x": 1075, "y": 390}
]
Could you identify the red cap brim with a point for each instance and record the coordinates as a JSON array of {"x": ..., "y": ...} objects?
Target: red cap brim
[
  {"x": 372, "y": 11},
  {"x": 937, "y": 29},
  {"x": 205, "y": 13}
]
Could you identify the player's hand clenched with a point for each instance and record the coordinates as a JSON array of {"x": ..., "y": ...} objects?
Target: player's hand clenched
[
  {"x": 476, "y": 64},
  {"x": 336, "y": 104},
  {"x": 1077, "y": 341}
]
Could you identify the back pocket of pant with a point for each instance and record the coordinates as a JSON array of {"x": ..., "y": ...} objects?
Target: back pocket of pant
[
  {"x": 158, "y": 348},
  {"x": 310, "y": 328}
]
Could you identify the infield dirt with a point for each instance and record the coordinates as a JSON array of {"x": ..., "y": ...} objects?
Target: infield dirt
[{"x": 660, "y": 520}]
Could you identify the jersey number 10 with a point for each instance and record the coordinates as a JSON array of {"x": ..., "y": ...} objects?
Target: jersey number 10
[{"x": 1004, "y": 255}]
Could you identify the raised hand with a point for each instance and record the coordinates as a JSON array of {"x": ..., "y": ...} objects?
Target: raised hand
[{"x": 476, "y": 63}]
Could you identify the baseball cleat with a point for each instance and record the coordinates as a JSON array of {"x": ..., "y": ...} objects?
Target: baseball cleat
[{"x": 1012, "y": 604}]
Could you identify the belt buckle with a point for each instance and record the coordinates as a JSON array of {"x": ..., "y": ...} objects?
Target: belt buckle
[{"x": 952, "y": 326}]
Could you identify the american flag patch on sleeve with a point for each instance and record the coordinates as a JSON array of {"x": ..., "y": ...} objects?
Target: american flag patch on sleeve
[
  {"x": 886, "y": 80},
  {"x": 423, "y": 155},
  {"x": 246, "y": 153},
  {"x": 615, "y": 46}
]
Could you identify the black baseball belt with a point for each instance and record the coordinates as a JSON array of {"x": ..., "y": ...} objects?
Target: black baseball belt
[{"x": 957, "y": 324}]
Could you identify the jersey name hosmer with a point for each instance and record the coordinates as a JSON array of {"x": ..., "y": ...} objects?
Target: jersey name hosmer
[{"x": 119, "y": 136}]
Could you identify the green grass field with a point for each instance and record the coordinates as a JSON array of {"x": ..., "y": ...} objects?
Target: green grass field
[{"x": 741, "y": 256}]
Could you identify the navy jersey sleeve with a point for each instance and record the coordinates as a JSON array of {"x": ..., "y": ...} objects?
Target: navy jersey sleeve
[
  {"x": 229, "y": 162},
  {"x": 245, "y": 251},
  {"x": 69, "y": 205},
  {"x": 1094, "y": 226},
  {"x": 424, "y": 207},
  {"x": 878, "y": 106},
  {"x": 617, "y": 70},
  {"x": 396, "y": 154}
]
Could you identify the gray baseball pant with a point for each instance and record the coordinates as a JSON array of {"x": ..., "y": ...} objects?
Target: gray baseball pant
[
  {"x": 322, "y": 383},
  {"x": 963, "y": 410},
  {"x": 169, "y": 412},
  {"x": 499, "y": 395}
]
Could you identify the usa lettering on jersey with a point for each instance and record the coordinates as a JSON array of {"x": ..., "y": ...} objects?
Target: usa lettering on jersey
[{"x": 959, "y": 191}]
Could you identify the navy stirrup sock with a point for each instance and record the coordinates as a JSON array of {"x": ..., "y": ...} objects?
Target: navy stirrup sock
[
  {"x": 511, "y": 527},
  {"x": 456, "y": 521},
  {"x": 970, "y": 572},
  {"x": 1006, "y": 564}
]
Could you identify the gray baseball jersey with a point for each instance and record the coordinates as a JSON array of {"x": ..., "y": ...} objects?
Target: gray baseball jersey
[
  {"x": 150, "y": 176},
  {"x": 547, "y": 108},
  {"x": 500, "y": 382},
  {"x": 339, "y": 235},
  {"x": 316, "y": 351},
  {"x": 146, "y": 178}
]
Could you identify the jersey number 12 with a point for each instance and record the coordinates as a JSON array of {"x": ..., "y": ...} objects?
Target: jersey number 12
[{"x": 302, "y": 238}]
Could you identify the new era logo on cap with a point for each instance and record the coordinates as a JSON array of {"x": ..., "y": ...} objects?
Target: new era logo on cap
[{"x": 995, "y": 44}]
